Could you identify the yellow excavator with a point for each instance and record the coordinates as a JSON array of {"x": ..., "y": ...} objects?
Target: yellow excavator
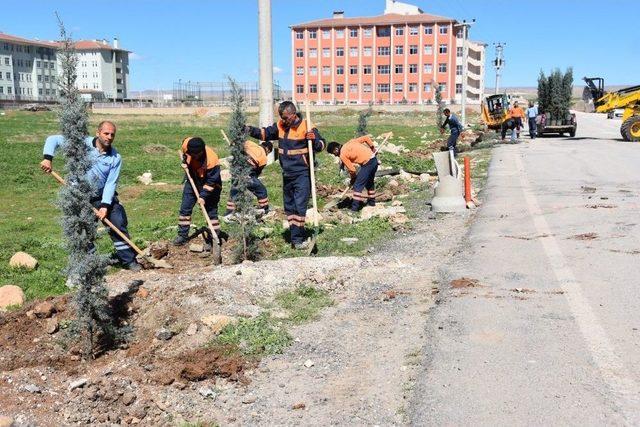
[
  {"x": 605, "y": 102},
  {"x": 495, "y": 111}
]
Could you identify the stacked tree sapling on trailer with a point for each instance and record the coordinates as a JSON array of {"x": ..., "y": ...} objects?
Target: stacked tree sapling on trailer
[{"x": 554, "y": 103}]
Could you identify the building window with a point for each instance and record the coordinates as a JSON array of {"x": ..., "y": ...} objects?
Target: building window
[
  {"x": 399, "y": 31},
  {"x": 353, "y": 88},
  {"x": 428, "y": 29},
  {"x": 353, "y": 69},
  {"x": 299, "y": 71},
  {"x": 443, "y": 87},
  {"x": 299, "y": 53},
  {"x": 6, "y": 61},
  {"x": 428, "y": 49},
  {"x": 339, "y": 70},
  {"x": 353, "y": 51},
  {"x": 383, "y": 69},
  {"x": 326, "y": 34},
  {"x": 8, "y": 76},
  {"x": 443, "y": 48},
  {"x": 413, "y": 87},
  {"x": 444, "y": 29},
  {"x": 399, "y": 69},
  {"x": 413, "y": 49},
  {"x": 427, "y": 87},
  {"x": 299, "y": 35},
  {"x": 339, "y": 34},
  {"x": 366, "y": 69},
  {"x": 313, "y": 53},
  {"x": 458, "y": 87},
  {"x": 367, "y": 32},
  {"x": 353, "y": 32},
  {"x": 313, "y": 71},
  {"x": 383, "y": 31},
  {"x": 367, "y": 51},
  {"x": 428, "y": 68},
  {"x": 1, "y": 89},
  {"x": 313, "y": 34},
  {"x": 40, "y": 91},
  {"x": 366, "y": 87},
  {"x": 9, "y": 90},
  {"x": 340, "y": 88},
  {"x": 397, "y": 87},
  {"x": 326, "y": 52},
  {"x": 313, "y": 88},
  {"x": 399, "y": 50},
  {"x": 339, "y": 51},
  {"x": 459, "y": 51},
  {"x": 413, "y": 31},
  {"x": 39, "y": 78},
  {"x": 458, "y": 70},
  {"x": 299, "y": 88},
  {"x": 413, "y": 68},
  {"x": 442, "y": 68},
  {"x": 384, "y": 50},
  {"x": 326, "y": 88},
  {"x": 383, "y": 87},
  {"x": 326, "y": 71},
  {"x": 459, "y": 33}
]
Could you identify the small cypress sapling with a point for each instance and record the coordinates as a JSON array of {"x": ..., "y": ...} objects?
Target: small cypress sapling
[
  {"x": 85, "y": 266},
  {"x": 240, "y": 169},
  {"x": 543, "y": 92},
  {"x": 363, "y": 120},
  {"x": 440, "y": 104}
]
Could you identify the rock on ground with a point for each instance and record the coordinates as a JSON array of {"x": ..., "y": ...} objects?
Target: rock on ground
[
  {"x": 11, "y": 295},
  {"x": 23, "y": 260}
]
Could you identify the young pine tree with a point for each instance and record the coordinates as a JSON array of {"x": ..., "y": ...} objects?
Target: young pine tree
[
  {"x": 86, "y": 267},
  {"x": 240, "y": 169},
  {"x": 440, "y": 104},
  {"x": 567, "y": 91},
  {"x": 363, "y": 120},
  {"x": 543, "y": 92}
]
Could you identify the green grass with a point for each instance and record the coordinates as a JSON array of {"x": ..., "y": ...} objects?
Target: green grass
[
  {"x": 29, "y": 218},
  {"x": 303, "y": 303},
  {"x": 257, "y": 336}
]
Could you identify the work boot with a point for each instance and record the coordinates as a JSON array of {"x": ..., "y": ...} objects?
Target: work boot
[
  {"x": 133, "y": 266},
  {"x": 180, "y": 241}
]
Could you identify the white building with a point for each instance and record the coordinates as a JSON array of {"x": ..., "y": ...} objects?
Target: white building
[
  {"x": 30, "y": 69},
  {"x": 475, "y": 71}
]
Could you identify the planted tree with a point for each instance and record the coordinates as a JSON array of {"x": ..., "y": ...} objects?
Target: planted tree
[
  {"x": 440, "y": 104},
  {"x": 86, "y": 268},
  {"x": 240, "y": 169},
  {"x": 363, "y": 120}
]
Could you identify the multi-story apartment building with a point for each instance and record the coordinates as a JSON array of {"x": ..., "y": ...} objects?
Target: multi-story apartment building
[
  {"x": 29, "y": 69},
  {"x": 397, "y": 57}
]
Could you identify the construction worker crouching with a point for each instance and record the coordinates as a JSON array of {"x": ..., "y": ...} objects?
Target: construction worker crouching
[
  {"x": 359, "y": 151},
  {"x": 204, "y": 167},
  {"x": 257, "y": 158},
  {"x": 292, "y": 135}
]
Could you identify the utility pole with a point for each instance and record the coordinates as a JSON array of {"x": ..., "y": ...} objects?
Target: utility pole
[
  {"x": 266, "y": 66},
  {"x": 465, "y": 55},
  {"x": 498, "y": 63}
]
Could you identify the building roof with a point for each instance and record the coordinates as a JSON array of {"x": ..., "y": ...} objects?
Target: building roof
[
  {"x": 79, "y": 45},
  {"x": 387, "y": 19},
  {"x": 15, "y": 39},
  {"x": 95, "y": 45}
]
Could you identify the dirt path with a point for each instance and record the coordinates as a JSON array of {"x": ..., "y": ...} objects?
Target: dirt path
[{"x": 365, "y": 349}]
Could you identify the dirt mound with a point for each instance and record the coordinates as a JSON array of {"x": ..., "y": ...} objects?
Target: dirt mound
[
  {"x": 156, "y": 149},
  {"x": 203, "y": 363}
]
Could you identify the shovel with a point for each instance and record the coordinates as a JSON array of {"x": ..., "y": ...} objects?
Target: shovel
[
  {"x": 156, "y": 263},
  {"x": 215, "y": 250},
  {"x": 338, "y": 199},
  {"x": 314, "y": 199}
]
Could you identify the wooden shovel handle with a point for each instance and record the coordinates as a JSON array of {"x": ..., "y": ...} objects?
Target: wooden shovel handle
[
  {"x": 104, "y": 220},
  {"x": 204, "y": 210}
]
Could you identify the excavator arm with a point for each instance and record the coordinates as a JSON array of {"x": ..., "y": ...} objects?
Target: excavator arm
[{"x": 627, "y": 99}]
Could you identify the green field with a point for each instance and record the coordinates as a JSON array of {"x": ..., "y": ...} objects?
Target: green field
[{"x": 28, "y": 215}]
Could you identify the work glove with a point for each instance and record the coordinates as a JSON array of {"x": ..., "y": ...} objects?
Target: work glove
[{"x": 310, "y": 136}]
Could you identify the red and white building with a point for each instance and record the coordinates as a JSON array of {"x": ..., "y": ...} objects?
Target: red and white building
[{"x": 395, "y": 58}]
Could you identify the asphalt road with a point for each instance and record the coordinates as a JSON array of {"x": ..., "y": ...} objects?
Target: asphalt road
[{"x": 550, "y": 334}]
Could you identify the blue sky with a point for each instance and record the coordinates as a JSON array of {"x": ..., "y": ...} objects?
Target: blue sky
[{"x": 205, "y": 40}]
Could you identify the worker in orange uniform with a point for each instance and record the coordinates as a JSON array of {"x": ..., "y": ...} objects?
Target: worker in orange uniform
[
  {"x": 257, "y": 158},
  {"x": 204, "y": 168},
  {"x": 517, "y": 114},
  {"x": 359, "y": 151}
]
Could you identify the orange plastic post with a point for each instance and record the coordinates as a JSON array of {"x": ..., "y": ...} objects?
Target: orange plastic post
[{"x": 467, "y": 179}]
